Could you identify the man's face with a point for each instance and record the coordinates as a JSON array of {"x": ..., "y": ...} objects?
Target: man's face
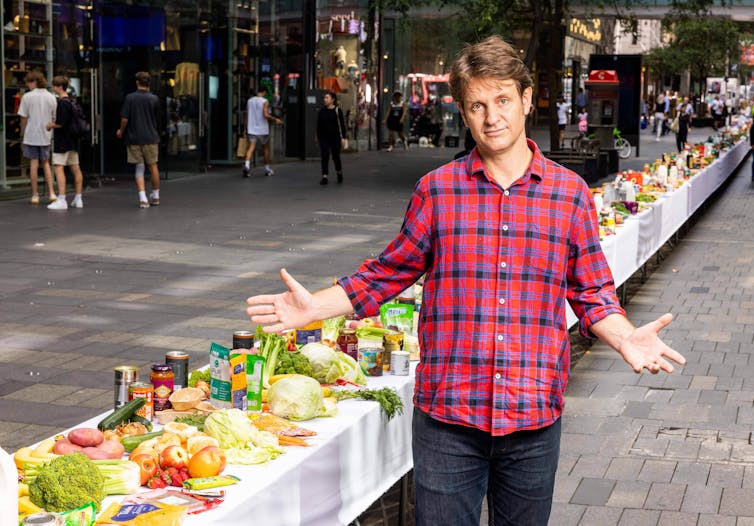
[{"x": 495, "y": 113}]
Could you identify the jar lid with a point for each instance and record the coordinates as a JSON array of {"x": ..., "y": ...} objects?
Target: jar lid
[
  {"x": 347, "y": 331},
  {"x": 161, "y": 367}
]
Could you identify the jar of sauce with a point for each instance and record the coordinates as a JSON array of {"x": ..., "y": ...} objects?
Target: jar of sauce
[
  {"x": 162, "y": 378},
  {"x": 349, "y": 343}
]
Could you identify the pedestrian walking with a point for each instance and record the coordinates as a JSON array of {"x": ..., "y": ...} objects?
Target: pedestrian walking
[
  {"x": 258, "y": 119},
  {"x": 331, "y": 135},
  {"x": 583, "y": 122},
  {"x": 139, "y": 126},
  {"x": 563, "y": 109},
  {"x": 660, "y": 114},
  {"x": 716, "y": 108},
  {"x": 37, "y": 108},
  {"x": 580, "y": 99},
  {"x": 394, "y": 120},
  {"x": 503, "y": 237},
  {"x": 684, "y": 121},
  {"x": 65, "y": 145}
]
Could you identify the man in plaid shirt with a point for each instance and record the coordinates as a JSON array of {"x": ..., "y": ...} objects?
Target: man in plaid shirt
[{"x": 505, "y": 237}]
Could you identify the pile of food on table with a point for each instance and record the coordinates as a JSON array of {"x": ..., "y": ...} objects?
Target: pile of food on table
[{"x": 166, "y": 445}]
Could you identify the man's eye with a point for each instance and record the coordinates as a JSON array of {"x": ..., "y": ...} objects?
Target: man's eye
[
  {"x": 476, "y": 106},
  {"x": 503, "y": 101}
]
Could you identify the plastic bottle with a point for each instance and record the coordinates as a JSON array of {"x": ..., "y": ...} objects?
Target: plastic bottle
[{"x": 8, "y": 489}]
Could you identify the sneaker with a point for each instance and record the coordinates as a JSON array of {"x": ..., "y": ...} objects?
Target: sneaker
[
  {"x": 143, "y": 204},
  {"x": 323, "y": 180},
  {"x": 246, "y": 171},
  {"x": 405, "y": 145},
  {"x": 35, "y": 199},
  {"x": 77, "y": 202},
  {"x": 154, "y": 201},
  {"x": 340, "y": 177},
  {"x": 58, "y": 204},
  {"x": 390, "y": 148},
  {"x": 269, "y": 172}
]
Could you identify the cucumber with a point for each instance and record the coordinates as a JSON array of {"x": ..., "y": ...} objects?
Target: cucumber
[
  {"x": 140, "y": 419},
  {"x": 122, "y": 414},
  {"x": 132, "y": 442}
]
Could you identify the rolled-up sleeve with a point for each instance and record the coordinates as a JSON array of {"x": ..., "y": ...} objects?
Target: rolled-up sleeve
[
  {"x": 591, "y": 290},
  {"x": 403, "y": 261}
]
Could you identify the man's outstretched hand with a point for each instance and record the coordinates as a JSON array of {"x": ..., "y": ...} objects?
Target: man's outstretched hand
[
  {"x": 642, "y": 348},
  {"x": 278, "y": 312}
]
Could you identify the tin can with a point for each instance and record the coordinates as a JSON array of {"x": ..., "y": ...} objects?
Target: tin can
[
  {"x": 162, "y": 379},
  {"x": 399, "y": 361},
  {"x": 243, "y": 340},
  {"x": 179, "y": 362},
  {"x": 125, "y": 375},
  {"x": 370, "y": 360},
  {"x": 392, "y": 342},
  {"x": 43, "y": 519},
  {"x": 143, "y": 390}
]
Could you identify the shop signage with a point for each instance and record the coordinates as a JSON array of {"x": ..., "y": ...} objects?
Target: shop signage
[{"x": 589, "y": 29}]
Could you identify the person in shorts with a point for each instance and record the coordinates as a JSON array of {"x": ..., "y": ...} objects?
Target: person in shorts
[
  {"x": 139, "y": 118},
  {"x": 394, "y": 121},
  {"x": 64, "y": 152},
  {"x": 36, "y": 110},
  {"x": 258, "y": 129},
  {"x": 563, "y": 109}
]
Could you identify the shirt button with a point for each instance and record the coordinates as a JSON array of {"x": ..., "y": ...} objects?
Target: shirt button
[
  {"x": 505, "y": 227},
  {"x": 502, "y": 301},
  {"x": 498, "y": 376},
  {"x": 499, "y": 337},
  {"x": 503, "y": 264},
  {"x": 507, "y": 192}
]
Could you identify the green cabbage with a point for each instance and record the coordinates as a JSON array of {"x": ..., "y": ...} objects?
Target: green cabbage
[
  {"x": 329, "y": 365},
  {"x": 298, "y": 398},
  {"x": 241, "y": 440}
]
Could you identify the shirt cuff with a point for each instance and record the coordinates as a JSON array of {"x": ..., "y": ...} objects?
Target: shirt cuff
[
  {"x": 357, "y": 290},
  {"x": 596, "y": 314}
]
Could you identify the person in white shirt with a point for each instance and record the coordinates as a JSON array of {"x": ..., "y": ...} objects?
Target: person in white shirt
[
  {"x": 258, "y": 129},
  {"x": 37, "y": 109},
  {"x": 563, "y": 109}
]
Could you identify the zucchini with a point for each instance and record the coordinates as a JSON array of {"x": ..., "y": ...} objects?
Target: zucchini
[
  {"x": 140, "y": 419},
  {"x": 122, "y": 414},
  {"x": 132, "y": 442}
]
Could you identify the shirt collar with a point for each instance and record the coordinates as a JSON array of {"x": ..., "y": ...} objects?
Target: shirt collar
[{"x": 536, "y": 170}]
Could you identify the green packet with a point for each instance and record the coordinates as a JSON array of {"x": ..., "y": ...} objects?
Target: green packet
[
  {"x": 82, "y": 516},
  {"x": 397, "y": 317}
]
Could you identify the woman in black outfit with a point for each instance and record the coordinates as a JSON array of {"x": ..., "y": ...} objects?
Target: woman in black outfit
[
  {"x": 331, "y": 127},
  {"x": 684, "y": 119}
]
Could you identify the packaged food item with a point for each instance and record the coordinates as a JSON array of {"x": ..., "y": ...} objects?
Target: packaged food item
[
  {"x": 81, "y": 516},
  {"x": 210, "y": 482},
  {"x": 146, "y": 514},
  {"x": 254, "y": 380},
  {"x": 125, "y": 375},
  {"x": 309, "y": 334},
  {"x": 370, "y": 361},
  {"x": 399, "y": 363},
  {"x": 179, "y": 362},
  {"x": 393, "y": 341},
  {"x": 398, "y": 317},
  {"x": 228, "y": 385},
  {"x": 145, "y": 391},
  {"x": 162, "y": 379},
  {"x": 243, "y": 339},
  {"x": 349, "y": 343}
]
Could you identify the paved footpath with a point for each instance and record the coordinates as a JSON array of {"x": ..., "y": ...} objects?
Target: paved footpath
[{"x": 85, "y": 290}]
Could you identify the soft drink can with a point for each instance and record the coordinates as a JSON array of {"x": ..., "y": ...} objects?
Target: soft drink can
[
  {"x": 125, "y": 375},
  {"x": 243, "y": 340},
  {"x": 179, "y": 362}
]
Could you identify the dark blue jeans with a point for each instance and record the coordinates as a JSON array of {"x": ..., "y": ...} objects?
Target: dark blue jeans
[{"x": 456, "y": 466}]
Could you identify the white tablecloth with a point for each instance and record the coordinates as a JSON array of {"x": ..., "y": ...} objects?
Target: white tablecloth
[
  {"x": 355, "y": 457},
  {"x": 642, "y": 235}
]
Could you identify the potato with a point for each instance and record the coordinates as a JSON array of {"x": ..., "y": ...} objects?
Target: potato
[
  {"x": 113, "y": 448},
  {"x": 86, "y": 437},
  {"x": 96, "y": 453},
  {"x": 65, "y": 446}
]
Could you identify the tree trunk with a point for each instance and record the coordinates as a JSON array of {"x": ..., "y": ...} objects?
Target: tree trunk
[{"x": 554, "y": 67}]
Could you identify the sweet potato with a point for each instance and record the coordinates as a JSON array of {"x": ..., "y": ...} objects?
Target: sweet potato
[
  {"x": 96, "y": 453},
  {"x": 86, "y": 437},
  {"x": 65, "y": 446},
  {"x": 113, "y": 448}
]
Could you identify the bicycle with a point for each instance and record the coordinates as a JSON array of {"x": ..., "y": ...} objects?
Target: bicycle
[{"x": 621, "y": 144}]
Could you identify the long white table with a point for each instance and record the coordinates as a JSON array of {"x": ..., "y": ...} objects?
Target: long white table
[
  {"x": 643, "y": 235},
  {"x": 355, "y": 457}
]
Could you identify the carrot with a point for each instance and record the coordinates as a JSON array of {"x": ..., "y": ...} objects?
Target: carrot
[{"x": 292, "y": 441}]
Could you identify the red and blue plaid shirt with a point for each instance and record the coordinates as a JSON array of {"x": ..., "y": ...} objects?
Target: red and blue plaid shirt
[{"x": 499, "y": 267}]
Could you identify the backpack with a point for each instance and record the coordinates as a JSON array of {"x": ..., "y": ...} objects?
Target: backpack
[{"x": 78, "y": 128}]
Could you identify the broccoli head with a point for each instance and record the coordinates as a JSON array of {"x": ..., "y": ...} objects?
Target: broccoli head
[
  {"x": 67, "y": 482},
  {"x": 293, "y": 363}
]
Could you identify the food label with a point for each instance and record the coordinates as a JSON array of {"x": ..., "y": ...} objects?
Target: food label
[{"x": 227, "y": 378}]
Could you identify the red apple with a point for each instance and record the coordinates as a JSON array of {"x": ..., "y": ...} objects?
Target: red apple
[
  {"x": 207, "y": 462},
  {"x": 147, "y": 466},
  {"x": 173, "y": 457}
]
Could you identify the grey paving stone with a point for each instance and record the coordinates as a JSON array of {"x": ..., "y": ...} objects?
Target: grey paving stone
[
  {"x": 590, "y": 466},
  {"x": 683, "y": 448},
  {"x": 624, "y": 468},
  {"x": 748, "y": 481},
  {"x": 563, "y": 514},
  {"x": 600, "y": 516},
  {"x": 713, "y": 397},
  {"x": 726, "y": 475},
  {"x": 565, "y": 486},
  {"x": 657, "y": 471},
  {"x": 692, "y": 473},
  {"x": 737, "y": 501},
  {"x": 676, "y": 518},
  {"x": 665, "y": 496},
  {"x": 716, "y": 520},
  {"x": 629, "y": 494},
  {"x": 593, "y": 492},
  {"x": 636, "y": 409},
  {"x": 700, "y": 498},
  {"x": 639, "y": 518}
]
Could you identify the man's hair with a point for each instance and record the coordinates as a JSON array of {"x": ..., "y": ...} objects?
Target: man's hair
[
  {"x": 493, "y": 58},
  {"x": 332, "y": 95},
  {"x": 143, "y": 79},
  {"x": 36, "y": 76},
  {"x": 60, "y": 81},
  {"x": 262, "y": 89}
]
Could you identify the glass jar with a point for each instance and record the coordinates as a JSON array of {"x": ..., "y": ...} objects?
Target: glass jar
[
  {"x": 392, "y": 342},
  {"x": 349, "y": 342},
  {"x": 163, "y": 379}
]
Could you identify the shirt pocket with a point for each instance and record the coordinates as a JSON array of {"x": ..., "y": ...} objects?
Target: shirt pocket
[{"x": 544, "y": 251}]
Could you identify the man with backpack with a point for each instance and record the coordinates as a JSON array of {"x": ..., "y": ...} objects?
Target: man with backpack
[{"x": 69, "y": 126}]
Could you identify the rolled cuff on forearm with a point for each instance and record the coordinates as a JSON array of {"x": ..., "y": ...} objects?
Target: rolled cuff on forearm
[{"x": 595, "y": 314}]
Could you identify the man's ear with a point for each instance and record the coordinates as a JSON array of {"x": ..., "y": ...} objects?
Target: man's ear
[{"x": 526, "y": 97}]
